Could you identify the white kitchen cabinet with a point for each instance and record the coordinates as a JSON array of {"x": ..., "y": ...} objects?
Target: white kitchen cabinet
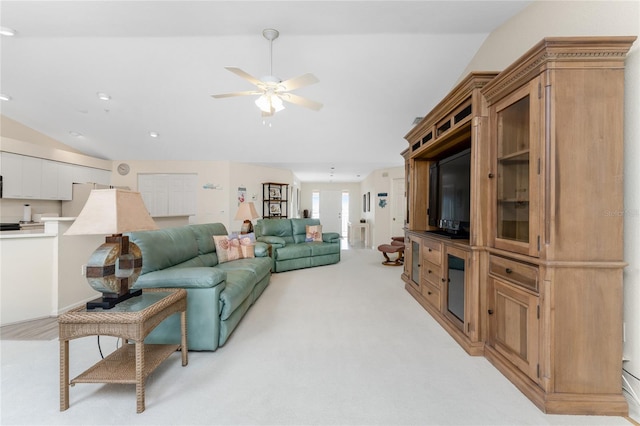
[
  {"x": 25, "y": 177},
  {"x": 169, "y": 194},
  {"x": 21, "y": 176},
  {"x": 49, "y": 181},
  {"x": 65, "y": 181},
  {"x": 11, "y": 171}
]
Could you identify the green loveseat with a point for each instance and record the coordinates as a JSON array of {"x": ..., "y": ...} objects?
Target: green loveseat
[
  {"x": 218, "y": 294},
  {"x": 289, "y": 249}
]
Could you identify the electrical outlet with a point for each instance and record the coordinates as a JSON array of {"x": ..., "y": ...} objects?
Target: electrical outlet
[{"x": 83, "y": 270}]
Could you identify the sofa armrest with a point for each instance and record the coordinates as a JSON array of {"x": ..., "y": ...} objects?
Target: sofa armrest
[
  {"x": 330, "y": 237},
  {"x": 277, "y": 242},
  {"x": 196, "y": 277},
  {"x": 261, "y": 249}
]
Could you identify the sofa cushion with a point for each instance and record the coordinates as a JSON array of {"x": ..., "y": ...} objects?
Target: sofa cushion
[
  {"x": 238, "y": 287},
  {"x": 260, "y": 266},
  {"x": 277, "y": 228},
  {"x": 299, "y": 228},
  {"x": 203, "y": 233},
  {"x": 293, "y": 251},
  {"x": 320, "y": 249},
  {"x": 164, "y": 248}
]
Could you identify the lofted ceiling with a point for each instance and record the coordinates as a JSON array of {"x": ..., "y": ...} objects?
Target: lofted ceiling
[{"x": 380, "y": 64}]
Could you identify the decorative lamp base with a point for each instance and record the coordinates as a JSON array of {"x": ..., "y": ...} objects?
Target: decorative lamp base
[
  {"x": 247, "y": 227},
  {"x": 110, "y": 302}
]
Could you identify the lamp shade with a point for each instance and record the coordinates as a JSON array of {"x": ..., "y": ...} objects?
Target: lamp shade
[
  {"x": 112, "y": 211},
  {"x": 246, "y": 211}
]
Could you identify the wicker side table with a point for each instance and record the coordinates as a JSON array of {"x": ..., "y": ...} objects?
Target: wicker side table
[{"x": 131, "y": 320}]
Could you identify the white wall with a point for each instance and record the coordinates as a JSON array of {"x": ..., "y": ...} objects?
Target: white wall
[
  {"x": 379, "y": 218},
  {"x": 213, "y": 205},
  {"x": 583, "y": 18},
  {"x": 355, "y": 196}
]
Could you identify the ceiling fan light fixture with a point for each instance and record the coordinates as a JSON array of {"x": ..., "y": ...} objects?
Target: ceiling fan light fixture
[
  {"x": 269, "y": 103},
  {"x": 263, "y": 103},
  {"x": 276, "y": 103},
  {"x": 272, "y": 90}
]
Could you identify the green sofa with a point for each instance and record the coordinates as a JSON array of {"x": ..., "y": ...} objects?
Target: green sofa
[
  {"x": 289, "y": 249},
  {"x": 218, "y": 294}
]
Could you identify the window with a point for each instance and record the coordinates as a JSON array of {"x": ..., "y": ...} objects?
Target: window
[
  {"x": 315, "y": 205},
  {"x": 345, "y": 213}
]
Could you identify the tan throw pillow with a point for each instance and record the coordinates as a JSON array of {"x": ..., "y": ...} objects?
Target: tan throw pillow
[
  {"x": 314, "y": 233},
  {"x": 222, "y": 245},
  {"x": 236, "y": 247},
  {"x": 247, "y": 246}
]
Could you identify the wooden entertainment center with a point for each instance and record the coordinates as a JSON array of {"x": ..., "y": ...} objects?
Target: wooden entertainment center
[{"x": 534, "y": 283}]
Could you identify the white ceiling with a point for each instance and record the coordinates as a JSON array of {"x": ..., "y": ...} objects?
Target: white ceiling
[{"x": 380, "y": 65}]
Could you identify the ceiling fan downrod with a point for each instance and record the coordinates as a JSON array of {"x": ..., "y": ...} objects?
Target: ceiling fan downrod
[{"x": 270, "y": 34}]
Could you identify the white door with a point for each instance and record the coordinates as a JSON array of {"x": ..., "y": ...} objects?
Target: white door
[
  {"x": 331, "y": 211},
  {"x": 398, "y": 206}
]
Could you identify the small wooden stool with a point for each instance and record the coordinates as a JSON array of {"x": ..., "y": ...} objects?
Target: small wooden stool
[{"x": 394, "y": 247}]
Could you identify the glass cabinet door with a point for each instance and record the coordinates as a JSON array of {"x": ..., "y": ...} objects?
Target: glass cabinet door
[
  {"x": 513, "y": 172},
  {"x": 517, "y": 125}
]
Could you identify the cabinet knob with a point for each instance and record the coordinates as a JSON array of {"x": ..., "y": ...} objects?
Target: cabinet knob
[
  {"x": 491, "y": 175},
  {"x": 429, "y": 249},
  {"x": 429, "y": 271},
  {"x": 443, "y": 280},
  {"x": 429, "y": 293},
  {"x": 508, "y": 270},
  {"x": 490, "y": 311}
]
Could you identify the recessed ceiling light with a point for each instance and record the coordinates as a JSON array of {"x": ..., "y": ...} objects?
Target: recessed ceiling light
[
  {"x": 154, "y": 134},
  {"x": 75, "y": 134},
  {"x": 9, "y": 32},
  {"x": 103, "y": 96},
  {"x": 4, "y": 97}
]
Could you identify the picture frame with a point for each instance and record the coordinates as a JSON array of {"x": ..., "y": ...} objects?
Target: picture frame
[
  {"x": 368, "y": 201},
  {"x": 364, "y": 203},
  {"x": 274, "y": 193},
  {"x": 274, "y": 210}
]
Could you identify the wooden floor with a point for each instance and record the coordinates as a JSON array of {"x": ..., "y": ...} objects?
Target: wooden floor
[{"x": 41, "y": 329}]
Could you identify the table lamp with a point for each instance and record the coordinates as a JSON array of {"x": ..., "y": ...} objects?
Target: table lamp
[
  {"x": 246, "y": 212},
  {"x": 114, "y": 267}
]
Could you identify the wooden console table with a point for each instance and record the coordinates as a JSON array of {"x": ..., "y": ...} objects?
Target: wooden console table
[{"x": 131, "y": 320}]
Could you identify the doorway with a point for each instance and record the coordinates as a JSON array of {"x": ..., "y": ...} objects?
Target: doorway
[
  {"x": 398, "y": 207},
  {"x": 330, "y": 211}
]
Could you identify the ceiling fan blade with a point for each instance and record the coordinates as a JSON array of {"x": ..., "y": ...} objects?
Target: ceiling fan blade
[
  {"x": 299, "y": 100},
  {"x": 240, "y": 73},
  {"x": 232, "y": 94},
  {"x": 298, "y": 82}
]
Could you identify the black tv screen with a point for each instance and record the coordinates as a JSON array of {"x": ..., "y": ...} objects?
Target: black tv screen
[{"x": 449, "y": 206}]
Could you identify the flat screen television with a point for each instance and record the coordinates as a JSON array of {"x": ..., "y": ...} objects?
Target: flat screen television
[{"x": 449, "y": 195}]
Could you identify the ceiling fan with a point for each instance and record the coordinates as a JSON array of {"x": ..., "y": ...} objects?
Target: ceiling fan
[{"x": 271, "y": 89}]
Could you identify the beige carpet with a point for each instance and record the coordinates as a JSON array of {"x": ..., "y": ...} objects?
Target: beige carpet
[{"x": 343, "y": 345}]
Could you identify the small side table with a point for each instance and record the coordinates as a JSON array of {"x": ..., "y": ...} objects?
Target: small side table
[
  {"x": 361, "y": 228},
  {"x": 131, "y": 320}
]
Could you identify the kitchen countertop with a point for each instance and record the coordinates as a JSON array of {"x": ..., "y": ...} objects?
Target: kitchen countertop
[{"x": 34, "y": 229}]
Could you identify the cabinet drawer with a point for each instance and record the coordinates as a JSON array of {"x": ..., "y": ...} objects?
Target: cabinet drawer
[
  {"x": 432, "y": 294},
  {"x": 432, "y": 251},
  {"x": 432, "y": 273},
  {"x": 514, "y": 272}
]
